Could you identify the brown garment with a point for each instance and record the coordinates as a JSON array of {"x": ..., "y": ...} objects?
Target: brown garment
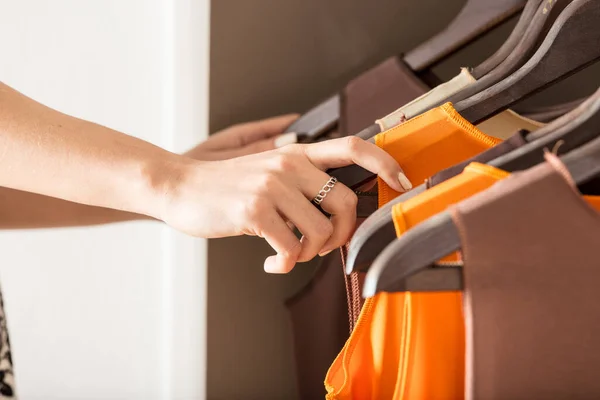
[
  {"x": 530, "y": 246},
  {"x": 376, "y": 93},
  {"x": 319, "y": 316},
  {"x": 321, "y": 311}
]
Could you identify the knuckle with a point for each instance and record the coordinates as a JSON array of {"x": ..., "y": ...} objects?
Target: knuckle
[
  {"x": 354, "y": 143},
  {"x": 284, "y": 162},
  {"x": 267, "y": 184},
  {"x": 324, "y": 228},
  {"x": 349, "y": 200}
]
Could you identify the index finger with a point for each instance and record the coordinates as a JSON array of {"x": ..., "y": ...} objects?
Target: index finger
[{"x": 354, "y": 150}]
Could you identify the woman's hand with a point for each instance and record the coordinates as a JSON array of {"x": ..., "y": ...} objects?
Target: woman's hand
[
  {"x": 247, "y": 138},
  {"x": 259, "y": 194},
  {"x": 49, "y": 153}
]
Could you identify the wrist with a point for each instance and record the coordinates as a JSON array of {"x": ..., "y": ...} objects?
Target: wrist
[{"x": 162, "y": 178}]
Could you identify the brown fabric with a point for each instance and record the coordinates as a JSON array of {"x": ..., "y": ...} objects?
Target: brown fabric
[
  {"x": 322, "y": 313},
  {"x": 531, "y": 275},
  {"x": 515, "y": 141},
  {"x": 319, "y": 316},
  {"x": 378, "y": 92}
]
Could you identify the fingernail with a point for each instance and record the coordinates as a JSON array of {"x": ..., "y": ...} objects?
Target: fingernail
[
  {"x": 271, "y": 265},
  {"x": 404, "y": 182},
  {"x": 285, "y": 139},
  {"x": 324, "y": 253}
]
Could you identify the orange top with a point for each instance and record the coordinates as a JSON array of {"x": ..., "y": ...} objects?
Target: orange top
[
  {"x": 431, "y": 142},
  {"x": 411, "y": 345},
  {"x": 423, "y": 146}
]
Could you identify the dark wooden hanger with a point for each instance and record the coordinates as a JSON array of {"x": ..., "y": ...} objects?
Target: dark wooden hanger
[
  {"x": 377, "y": 231},
  {"x": 550, "y": 112},
  {"x": 318, "y": 120},
  {"x": 476, "y": 18},
  {"x": 509, "y": 45},
  {"x": 517, "y": 36},
  {"x": 541, "y": 22},
  {"x": 571, "y": 45},
  {"x": 417, "y": 251}
]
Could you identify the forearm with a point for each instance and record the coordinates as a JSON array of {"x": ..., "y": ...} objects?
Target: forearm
[
  {"x": 46, "y": 152},
  {"x": 24, "y": 210}
]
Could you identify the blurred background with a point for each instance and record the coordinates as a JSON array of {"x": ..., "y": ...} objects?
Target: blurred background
[{"x": 136, "y": 311}]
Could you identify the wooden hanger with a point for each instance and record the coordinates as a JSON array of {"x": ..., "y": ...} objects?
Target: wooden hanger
[
  {"x": 550, "y": 112},
  {"x": 476, "y": 18},
  {"x": 371, "y": 237},
  {"x": 509, "y": 45},
  {"x": 571, "y": 45},
  {"x": 418, "y": 250},
  {"x": 541, "y": 22},
  {"x": 318, "y": 120}
]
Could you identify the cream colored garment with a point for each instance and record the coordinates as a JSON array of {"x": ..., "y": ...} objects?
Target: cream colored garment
[
  {"x": 426, "y": 101},
  {"x": 507, "y": 123},
  {"x": 501, "y": 126}
]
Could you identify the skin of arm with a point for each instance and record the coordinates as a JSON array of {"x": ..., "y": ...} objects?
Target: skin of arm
[
  {"x": 100, "y": 167},
  {"x": 25, "y": 210}
]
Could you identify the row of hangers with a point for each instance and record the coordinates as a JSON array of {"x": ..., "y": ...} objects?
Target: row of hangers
[
  {"x": 552, "y": 40},
  {"x": 476, "y": 18},
  {"x": 569, "y": 46}
]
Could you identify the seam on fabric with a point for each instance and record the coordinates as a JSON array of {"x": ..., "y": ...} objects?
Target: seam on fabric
[
  {"x": 358, "y": 332},
  {"x": 405, "y": 344},
  {"x": 400, "y": 223},
  {"x": 355, "y": 297},
  {"x": 468, "y": 127},
  {"x": 348, "y": 293},
  {"x": 559, "y": 167},
  {"x": 488, "y": 170}
]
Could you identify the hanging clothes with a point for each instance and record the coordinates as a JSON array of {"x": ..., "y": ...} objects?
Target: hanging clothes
[
  {"x": 531, "y": 288},
  {"x": 331, "y": 289},
  {"x": 411, "y": 345},
  {"x": 421, "y": 154},
  {"x": 386, "y": 355},
  {"x": 331, "y": 300}
]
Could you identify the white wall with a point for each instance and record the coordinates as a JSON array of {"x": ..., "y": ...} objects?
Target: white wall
[{"x": 114, "y": 312}]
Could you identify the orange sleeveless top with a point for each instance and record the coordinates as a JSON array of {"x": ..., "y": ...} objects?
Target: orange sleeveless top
[{"x": 423, "y": 146}]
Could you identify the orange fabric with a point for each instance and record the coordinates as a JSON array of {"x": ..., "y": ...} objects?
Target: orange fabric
[
  {"x": 411, "y": 345},
  {"x": 423, "y": 146},
  {"x": 429, "y": 143}
]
